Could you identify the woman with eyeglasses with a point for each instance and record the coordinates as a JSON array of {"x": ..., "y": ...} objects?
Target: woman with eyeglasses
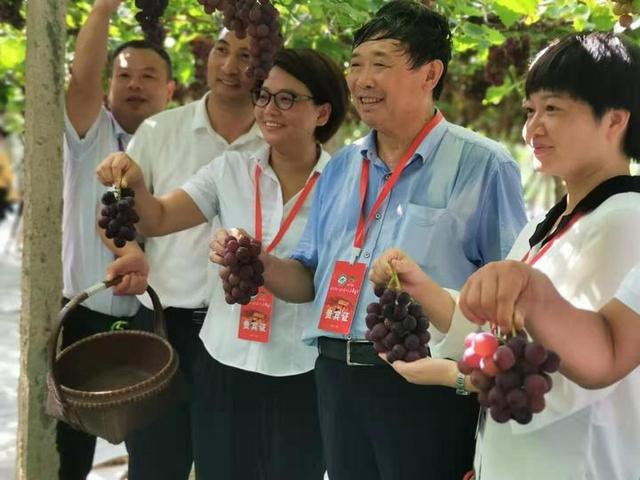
[{"x": 255, "y": 415}]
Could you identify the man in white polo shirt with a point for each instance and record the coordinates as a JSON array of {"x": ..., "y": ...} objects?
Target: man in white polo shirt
[
  {"x": 170, "y": 147},
  {"x": 140, "y": 85}
]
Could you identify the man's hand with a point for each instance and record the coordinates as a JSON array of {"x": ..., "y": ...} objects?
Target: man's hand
[
  {"x": 500, "y": 292},
  {"x": 119, "y": 169},
  {"x": 85, "y": 94},
  {"x": 409, "y": 273},
  {"x": 134, "y": 269},
  {"x": 427, "y": 371},
  {"x": 216, "y": 245}
]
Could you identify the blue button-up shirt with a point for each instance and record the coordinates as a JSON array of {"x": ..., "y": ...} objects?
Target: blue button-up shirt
[{"x": 457, "y": 205}]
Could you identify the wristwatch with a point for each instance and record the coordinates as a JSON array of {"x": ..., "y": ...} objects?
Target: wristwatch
[{"x": 460, "y": 390}]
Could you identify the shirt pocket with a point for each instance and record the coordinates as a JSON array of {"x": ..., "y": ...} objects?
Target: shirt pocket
[{"x": 426, "y": 234}]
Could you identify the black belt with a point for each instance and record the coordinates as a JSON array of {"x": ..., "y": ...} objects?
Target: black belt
[
  {"x": 194, "y": 316},
  {"x": 352, "y": 352}
]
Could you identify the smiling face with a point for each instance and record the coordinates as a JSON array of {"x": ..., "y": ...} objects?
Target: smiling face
[
  {"x": 385, "y": 90},
  {"x": 226, "y": 67},
  {"x": 566, "y": 138},
  {"x": 295, "y": 125},
  {"x": 139, "y": 86}
]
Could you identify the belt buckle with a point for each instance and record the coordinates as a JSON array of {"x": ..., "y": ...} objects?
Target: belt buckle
[
  {"x": 356, "y": 364},
  {"x": 198, "y": 315}
]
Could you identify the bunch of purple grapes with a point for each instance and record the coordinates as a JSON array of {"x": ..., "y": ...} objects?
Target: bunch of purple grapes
[
  {"x": 258, "y": 19},
  {"x": 514, "y": 52},
  {"x": 242, "y": 271},
  {"x": 397, "y": 325},
  {"x": 266, "y": 39},
  {"x": 512, "y": 378},
  {"x": 118, "y": 216},
  {"x": 149, "y": 19},
  {"x": 10, "y": 13}
]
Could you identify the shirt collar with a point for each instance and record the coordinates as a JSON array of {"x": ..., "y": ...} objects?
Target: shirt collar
[
  {"x": 322, "y": 161},
  {"x": 200, "y": 115},
  {"x": 597, "y": 196},
  {"x": 427, "y": 146},
  {"x": 261, "y": 157},
  {"x": 201, "y": 121},
  {"x": 119, "y": 132}
]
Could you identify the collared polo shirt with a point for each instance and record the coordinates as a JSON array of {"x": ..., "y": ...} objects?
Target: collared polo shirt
[
  {"x": 170, "y": 147},
  {"x": 84, "y": 257},
  {"x": 226, "y": 188},
  {"x": 457, "y": 205}
]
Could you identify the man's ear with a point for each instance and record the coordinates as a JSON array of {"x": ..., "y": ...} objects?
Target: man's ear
[
  {"x": 433, "y": 73},
  {"x": 171, "y": 88}
]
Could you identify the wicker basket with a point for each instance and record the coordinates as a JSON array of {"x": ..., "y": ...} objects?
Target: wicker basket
[{"x": 113, "y": 383}]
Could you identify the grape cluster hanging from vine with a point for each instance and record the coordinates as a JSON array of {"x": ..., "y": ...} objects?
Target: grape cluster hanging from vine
[
  {"x": 149, "y": 19},
  {"x": 260, "y": 21}
]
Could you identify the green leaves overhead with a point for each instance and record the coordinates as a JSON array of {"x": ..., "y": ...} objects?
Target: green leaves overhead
[{"x": 328, "y": 25}]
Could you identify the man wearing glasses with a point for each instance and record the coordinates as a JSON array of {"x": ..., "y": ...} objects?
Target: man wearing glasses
[{"x": 170, "y": 147}]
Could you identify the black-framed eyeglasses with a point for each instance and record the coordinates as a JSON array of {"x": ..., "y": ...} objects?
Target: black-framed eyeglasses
[{"x": 284, "y": 100}]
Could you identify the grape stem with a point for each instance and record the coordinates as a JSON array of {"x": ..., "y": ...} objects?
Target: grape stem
[{"x": 394, "y": 281}]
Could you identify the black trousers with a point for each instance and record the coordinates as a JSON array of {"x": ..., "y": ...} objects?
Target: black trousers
[
  {"x": 76, "y": 448},
  {"x": 250, "y": 426},
  {"x": 377, "y": 426},
  {"x": 163, "y": 450}
]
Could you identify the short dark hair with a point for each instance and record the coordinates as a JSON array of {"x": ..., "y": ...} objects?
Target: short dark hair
[
  {"x": 423, "y": 33},
  {"x": 324, "y": 79},
  {"x": 600, "y": 69},
  {"x": 146, "y": 45}
]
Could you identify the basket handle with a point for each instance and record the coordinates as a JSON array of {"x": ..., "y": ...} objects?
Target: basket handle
[{"x": 158, "y": 324}]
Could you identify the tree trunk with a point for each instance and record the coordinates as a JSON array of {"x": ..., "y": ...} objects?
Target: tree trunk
[{"x": 41, "y": 277}]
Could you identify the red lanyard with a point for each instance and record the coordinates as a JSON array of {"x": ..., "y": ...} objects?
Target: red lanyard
[
  {"x": 292, "y": 214},
  {"x": 548, "y": 245},
  {"x": 363, "y": 223}
]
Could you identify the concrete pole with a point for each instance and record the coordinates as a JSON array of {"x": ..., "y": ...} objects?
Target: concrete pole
[{"x": 42, "y": 269}]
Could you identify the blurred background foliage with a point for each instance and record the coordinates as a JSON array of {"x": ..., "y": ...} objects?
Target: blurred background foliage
[{"x": 493, "y": 42}]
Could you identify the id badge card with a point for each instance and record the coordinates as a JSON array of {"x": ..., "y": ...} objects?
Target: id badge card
[
  {"x": 342, "y": 297},
  {"x": 255, "y": 317}
]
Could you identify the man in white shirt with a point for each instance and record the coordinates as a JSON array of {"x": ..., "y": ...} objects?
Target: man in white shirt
[
  {"x": 170, "y": 147},
  {"x": 140, "y": 85}
]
